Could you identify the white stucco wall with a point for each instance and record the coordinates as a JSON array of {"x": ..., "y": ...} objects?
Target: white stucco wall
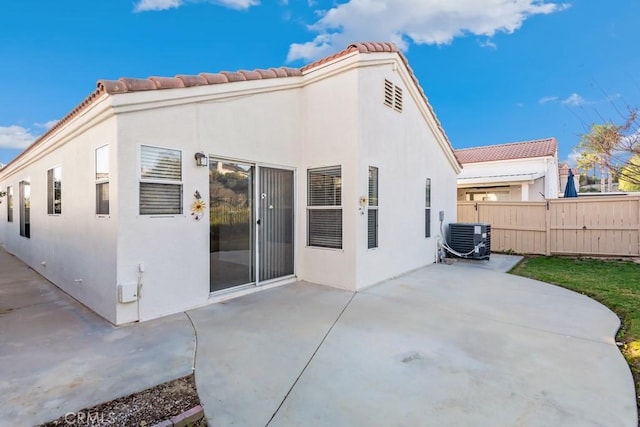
[
  {"x": 329, "y": 136},
  {"x": 261, "y": 128},
  {"x": 78, "y": 248},
  {"x": 404, "y": 148},
  {"x": 334, "y": 115}
]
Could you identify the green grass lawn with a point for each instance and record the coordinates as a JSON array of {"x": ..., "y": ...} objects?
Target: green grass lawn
[{"x": 614, "y": 283}]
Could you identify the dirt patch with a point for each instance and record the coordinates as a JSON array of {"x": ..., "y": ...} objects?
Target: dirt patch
[{"x": 143, "y": 409}]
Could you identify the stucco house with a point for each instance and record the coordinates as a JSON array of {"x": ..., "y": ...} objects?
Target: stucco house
[
  {"x": 518, "y": 171},
  {"x": 157, "y": 195}
]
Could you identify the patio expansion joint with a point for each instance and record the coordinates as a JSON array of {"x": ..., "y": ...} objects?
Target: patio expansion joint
[
  {"x": 195, "y": 346},
  {"x": 310, "y": 359},
  {"x": 544, "y": 330}
]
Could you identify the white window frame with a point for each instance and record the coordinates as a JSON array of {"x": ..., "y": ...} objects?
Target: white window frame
[
  {"x": 174, "y": 182},
  {"x": 312, "y": 208},
  {"x": 51, "y": 191},
  {"x": 373, "y": 206},
  {"x": 101, "y": 181}
]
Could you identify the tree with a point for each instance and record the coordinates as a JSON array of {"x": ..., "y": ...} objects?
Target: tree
[
  {"x": 601, "y": 141},
  {"x": 625, "y": 160},
  {"x": 615, "y": 146},
  {"x": 585, "y": 162},
  {"x": 632, "y": 169}
]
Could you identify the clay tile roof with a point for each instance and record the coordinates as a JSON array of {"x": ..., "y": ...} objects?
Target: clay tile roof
[
  {"x": 515, "y": 150},
  {"x": 125, "y": 85},
  {"x": 134, "y": 85},
  {"x": 279, "y": 72},
  {"x": 167, "y": 82},
  {"x": 251, "y": 75},
  {"x": 191, "y": 81},
  {"x": 267, "y": 74},
  {"x": 234, "y": 76},
  {"x": 360, "y": 47},
  {"x": 111, "y": 86},
  {"x": 292, "y": 72},
  {"x": 214, "y": 78}
]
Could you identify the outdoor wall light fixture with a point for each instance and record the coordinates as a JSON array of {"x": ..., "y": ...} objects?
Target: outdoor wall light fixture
[{"x": 201, "y": 159}]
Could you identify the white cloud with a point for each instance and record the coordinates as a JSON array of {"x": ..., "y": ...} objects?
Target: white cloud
[
  {"x": 236, "y": 4},
  {"x": 148, "y": 5},
  {"x": 16, "y": 137},
  {"x": 417, "y": 21},
  {"x": 574, "y": 100},
  {"x": 488, "y": 43},
  {"x": 47, "y": 125},
  {"x": 546, "y": 99},
  {"x": 154, "y": 5},
  {"x": 572, "y": 158}
]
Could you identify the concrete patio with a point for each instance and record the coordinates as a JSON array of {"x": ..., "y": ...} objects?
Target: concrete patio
[{"x": 446, "y": 345}]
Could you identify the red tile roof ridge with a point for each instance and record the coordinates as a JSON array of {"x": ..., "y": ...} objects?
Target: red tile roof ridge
[
  {"x": 509, "y": 151},
  {"x": 507, "y": 143},
  {"x": 363, "y": 47},
  {"x": 127, "y": 85},
  {"x": 90, "y": 99}
]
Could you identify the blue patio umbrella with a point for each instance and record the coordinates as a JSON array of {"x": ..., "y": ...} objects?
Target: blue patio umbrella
[{"x": 570, "y": 188}]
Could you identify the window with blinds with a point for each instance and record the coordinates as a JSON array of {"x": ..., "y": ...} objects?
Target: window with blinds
[
  {"x": 324, "y": 207},
  {"x": 54, "y": 191},
  {"x": 372, "y": 213},
  {"x": 25, "y": 208},
  {"x": 427, "y": 209},
  {"x": 160, "y": 181},
  {"x": 102, "y": 180},
  {"x": 9, "y": 204}
]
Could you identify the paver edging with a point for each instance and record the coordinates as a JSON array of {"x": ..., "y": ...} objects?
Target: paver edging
[{"x": 184, "y": 419}]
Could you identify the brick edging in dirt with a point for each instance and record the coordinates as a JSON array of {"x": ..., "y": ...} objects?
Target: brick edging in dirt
[{"x": 184, "y": 419}]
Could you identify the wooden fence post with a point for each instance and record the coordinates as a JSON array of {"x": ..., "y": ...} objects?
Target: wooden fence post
[{"x": 547, "y": 233}]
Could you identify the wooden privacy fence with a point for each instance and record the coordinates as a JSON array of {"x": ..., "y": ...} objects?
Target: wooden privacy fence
[{"x": 598, "y": 226}]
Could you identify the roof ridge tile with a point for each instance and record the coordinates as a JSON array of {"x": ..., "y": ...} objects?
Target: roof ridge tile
[{"x": 126, "y": 85}]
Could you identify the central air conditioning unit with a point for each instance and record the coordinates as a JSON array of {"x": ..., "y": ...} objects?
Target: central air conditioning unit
[{"x": 470, "y": 240}]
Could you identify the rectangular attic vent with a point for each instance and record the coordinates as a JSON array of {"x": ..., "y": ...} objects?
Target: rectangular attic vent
[
  {"x": 392, "y": 96},
  {"x": 397, "y": 102},
  {"x": 388, "y": 93}
]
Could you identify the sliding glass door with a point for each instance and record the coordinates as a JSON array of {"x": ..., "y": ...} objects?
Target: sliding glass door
[
  {"x": 251, "y": 224},
  {"x": 231, "y": 225},
  {"x": 275, "y": 229}
]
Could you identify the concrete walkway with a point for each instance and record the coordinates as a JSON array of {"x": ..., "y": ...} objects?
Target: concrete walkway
[
  {"x": 446, "y": 345},
  {"x": 56, "y": 356}
]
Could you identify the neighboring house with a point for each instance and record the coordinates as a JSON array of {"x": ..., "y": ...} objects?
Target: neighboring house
[
  {"x": 154, "y": 196},
  {"x": 519, "y": 171}
]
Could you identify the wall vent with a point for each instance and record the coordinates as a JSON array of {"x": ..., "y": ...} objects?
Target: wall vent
[
  {"x": 397, "y": 101},
  {"x": 388, "y": 93},
  {"x": 392, "y": 96}
]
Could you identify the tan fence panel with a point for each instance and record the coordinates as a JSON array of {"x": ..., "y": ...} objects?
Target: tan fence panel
[
  {"x": 467, "y": 212},
  {"x": 518, "y": 227},
  {"x": 595, "y": 226},
  {"x": 599, "y": 226}
]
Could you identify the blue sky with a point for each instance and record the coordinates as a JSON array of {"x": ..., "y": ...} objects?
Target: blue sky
[{"x": 495, "y": 71}]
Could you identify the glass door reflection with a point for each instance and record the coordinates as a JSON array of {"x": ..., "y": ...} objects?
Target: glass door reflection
[{"x": 231, "y": 228}]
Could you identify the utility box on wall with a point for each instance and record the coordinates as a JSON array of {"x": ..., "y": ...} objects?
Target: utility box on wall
[{"x": 127, "y": 293}]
